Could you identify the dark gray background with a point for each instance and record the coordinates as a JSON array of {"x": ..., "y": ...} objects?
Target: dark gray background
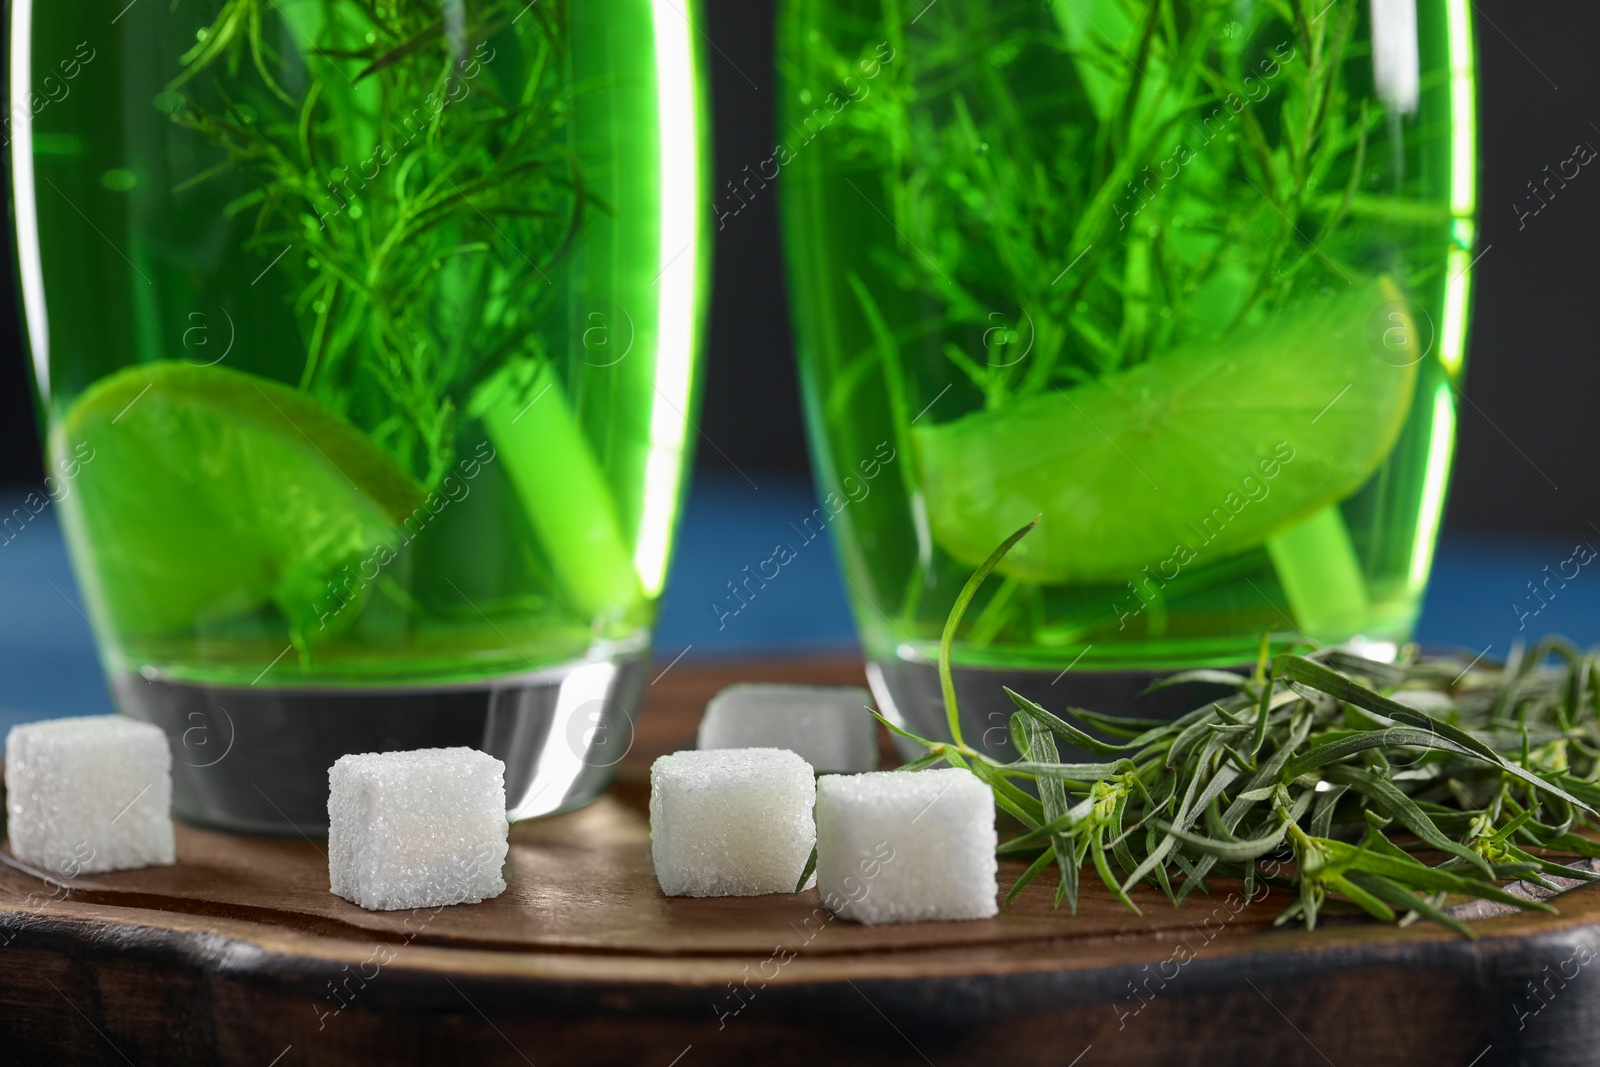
[{"x": 1527, "y": 461}]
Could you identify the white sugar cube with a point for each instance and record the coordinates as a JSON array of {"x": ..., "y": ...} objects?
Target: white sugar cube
[
  {"x": 906, "y": 846},
  {"x": 417, "y": 829},
  {"x": 89, "y": 794},
  {"x": 733, "y": 822},
  {"x": 826, "y": 725}
]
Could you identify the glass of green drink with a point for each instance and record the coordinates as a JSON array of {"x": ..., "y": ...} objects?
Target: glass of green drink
[
  {"x": 1186, "y": 279},
  {"x": 370, "y": 335}
]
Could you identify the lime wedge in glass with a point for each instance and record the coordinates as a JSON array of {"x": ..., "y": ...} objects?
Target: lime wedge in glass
[
  {"x": 206, "y": 493},
  {"x": 1176, "y": 451}
]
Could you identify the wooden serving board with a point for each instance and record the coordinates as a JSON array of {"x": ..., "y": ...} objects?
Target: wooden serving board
[{"x": 240, "y": 955}]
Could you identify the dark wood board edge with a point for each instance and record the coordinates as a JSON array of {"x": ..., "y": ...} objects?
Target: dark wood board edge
[{"x": 94, "y": 990}]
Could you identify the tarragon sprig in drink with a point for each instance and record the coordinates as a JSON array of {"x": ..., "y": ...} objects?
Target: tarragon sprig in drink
[{"x": 404, "y": 179}]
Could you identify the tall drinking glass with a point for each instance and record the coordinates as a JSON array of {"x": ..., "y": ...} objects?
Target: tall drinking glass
[
  {"x": 366, "y": 336},
  {"x": 1187, "y": 280}
]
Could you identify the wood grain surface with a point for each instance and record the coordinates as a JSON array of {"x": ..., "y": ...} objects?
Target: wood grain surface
[{"x": 240, "y": 955}]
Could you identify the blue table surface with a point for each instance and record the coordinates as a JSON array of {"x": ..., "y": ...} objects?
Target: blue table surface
[{"x": 48, "y": 666}]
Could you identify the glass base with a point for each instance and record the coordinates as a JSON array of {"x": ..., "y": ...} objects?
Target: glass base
[
  {"x": 256, "y": 760},
  {"x": 909, "y": 696}
]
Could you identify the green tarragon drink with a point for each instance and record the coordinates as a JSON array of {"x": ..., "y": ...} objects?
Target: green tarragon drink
[
  {"x": 379, "y": 322},
  {"x": 1188, "y": 279}
]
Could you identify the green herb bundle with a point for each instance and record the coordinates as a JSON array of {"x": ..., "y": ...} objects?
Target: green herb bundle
[{"x": 1391, "y": 787}]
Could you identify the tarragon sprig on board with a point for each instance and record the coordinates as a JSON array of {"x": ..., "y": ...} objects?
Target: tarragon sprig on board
[{"x": 1389, "y": 787}]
